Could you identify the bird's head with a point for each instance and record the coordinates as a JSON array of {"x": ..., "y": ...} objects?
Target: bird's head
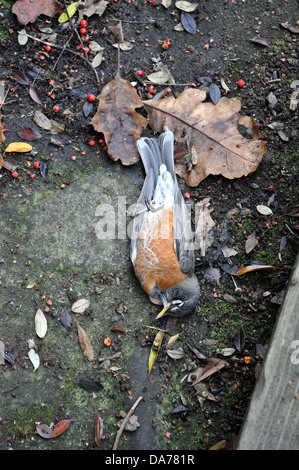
[{"x": 181, "y": 299}]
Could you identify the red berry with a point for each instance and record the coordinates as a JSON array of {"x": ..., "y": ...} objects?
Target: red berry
[
  {"x": 41, "y": 57},
  {"x": 47, "y": 48},
  {"x": 83, "y": 31},
  {"x": 52, "y": 81},
  {"x": 36, "y": 165},
  {"x": 86, "y": 38},
  {"x": 83, "y": 23},
  {"x": 270, "y": 188},
  {"x": 49, "y": 302},
  {"x": 86, "y": 49},
  {"x": 73, "y": 157},
  {"x": 62, "y": 186},
  {"x": 32, "y": 175},
  {"x": 91, "y": 143},
  {"x": 152, "y": 90},
  {"x": 91, "y": 97},
  {"x": 139, "y": 72},
  {"x": 47, "y": 310},
  {"x": 241, "y": 83},
  {"x": 56, "y": 108},
  {"x": 52, "y": 96},
  {"x": 79, "y": 47},
  {"x": 167, "y": 434},
  {"x": 15, "y": 174}
]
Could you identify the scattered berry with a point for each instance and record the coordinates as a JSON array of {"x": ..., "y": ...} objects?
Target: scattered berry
[
  {"x": 167, "y": 434},
  {"x": 83, "y": 23},
  {"x": 32, "y": 175},
  {"x": 83, "y": 31},
  {"x": 47, "y": 48},
  {"x": 41, "y": 57},
  {"x": 49, "y": 302},
  {"x": 92, "y": 143},
  {"x": 247, "y": 359},
  {"x": 73, "y": 157},
  {"x": 52, "y": 81},
  {"x": 52, "y": 96},
  {"x": 241, "y": 83},
  {"x": 107, "y": 341},
  {"x": 270, "y": 188},
  {"x": 91, "y": 97},
  {"x": 151, "y": 90},
  {"x": 166, "y": 44},
  {"x": 15, "y": 174},
  {"x": 140, "y": 73},
  {"x": 56, "y": 108},
  {"x": 36, "y": 165},
  {"x": 62, "y": 186},
  {"x": 155, "y": 3},
  {"x": 47, "y": 310},
  {"x": 79, "y": 47},
  {"x": 86, "y": 38},
  {"x": 86, "y": 49}
]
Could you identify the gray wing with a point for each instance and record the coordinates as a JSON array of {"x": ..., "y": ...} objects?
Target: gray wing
[{"x": 182, "y": 233}]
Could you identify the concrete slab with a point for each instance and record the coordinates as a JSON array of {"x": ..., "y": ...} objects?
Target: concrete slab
[{"x": 272, "y": 421}]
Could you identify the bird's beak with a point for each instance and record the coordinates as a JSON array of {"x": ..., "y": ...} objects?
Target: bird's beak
[{"x": 162, "y": 311}]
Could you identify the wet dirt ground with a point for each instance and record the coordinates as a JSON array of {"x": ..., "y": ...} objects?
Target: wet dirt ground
[{"x": 49, "y": 250}]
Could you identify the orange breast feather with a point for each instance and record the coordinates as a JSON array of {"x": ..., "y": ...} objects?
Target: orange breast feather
[{"x": 156, "y": 263}]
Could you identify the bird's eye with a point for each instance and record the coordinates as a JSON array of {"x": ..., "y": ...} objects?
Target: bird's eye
[{"x": 176, "y": 304}]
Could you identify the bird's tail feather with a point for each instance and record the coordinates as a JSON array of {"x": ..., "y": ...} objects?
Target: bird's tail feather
[{"x": 154, "y": 152}]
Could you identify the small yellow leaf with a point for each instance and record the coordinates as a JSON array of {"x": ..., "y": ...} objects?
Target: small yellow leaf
[
  {"x": 31, "y": 285},
  {"x": 71, "y": 9},
  {"x": 155, "y": 350},
  {"x": 18, "y": 147}
]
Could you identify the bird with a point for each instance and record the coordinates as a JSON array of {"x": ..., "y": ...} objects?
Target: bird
[{"x": 161, "y": 248}]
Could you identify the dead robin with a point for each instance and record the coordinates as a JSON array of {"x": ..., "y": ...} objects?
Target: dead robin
[{"x": 161, "y": 241}]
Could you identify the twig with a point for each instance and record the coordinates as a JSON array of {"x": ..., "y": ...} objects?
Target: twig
[
  {"x": 291, "y": 231},
  {"x": 114, "y": 356},
  {"x": 128, "y": 416},
  {"x": 69, "y": 50},
  {"x": 62, "y": 51}
]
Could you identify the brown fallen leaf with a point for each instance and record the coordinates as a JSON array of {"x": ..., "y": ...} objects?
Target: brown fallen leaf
[
  {"x": 85, "y": 344},
  {"x": 29, "y": 134},
  {"x": 117, "y": 119},
  {"x": 28, "y": 11},
  {"x": 212, "y": 132},
  {"x": 293, "y": 29},
  {"x": 61, "y": 427},
  {"x": 255, "y": 267},
  {"x": 98, "y": 431},
  {"x": 35, "y": 94},
  {"x": 44, "y": 431},
  {"x": 214, "y": 368}
]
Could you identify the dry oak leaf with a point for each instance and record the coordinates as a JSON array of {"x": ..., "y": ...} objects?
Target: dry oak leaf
[
  {"x": 117, "y": 119},
  {"x": 212, "y": 133},
  {"x": 28, "y": 11}
]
